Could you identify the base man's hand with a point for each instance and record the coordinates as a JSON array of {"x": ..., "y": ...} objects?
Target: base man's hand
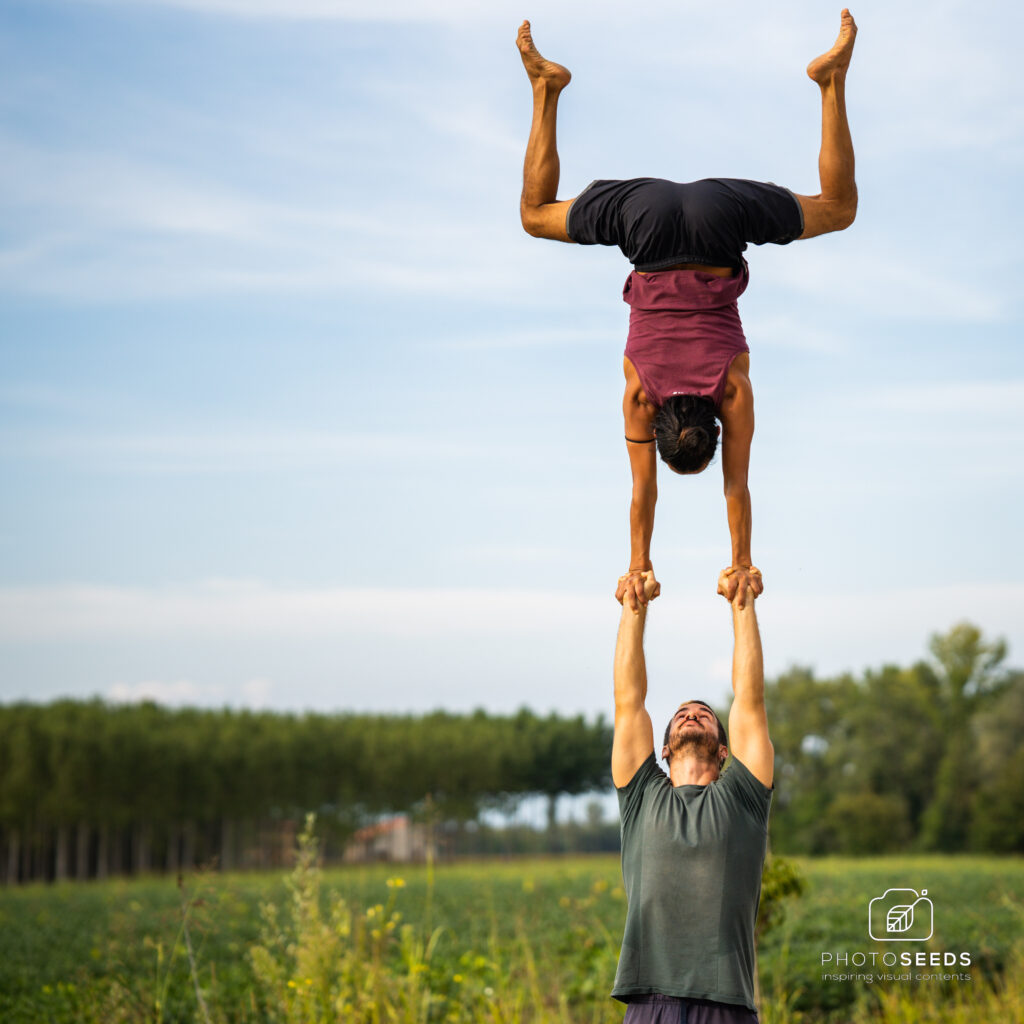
[
  {"x": 637, "y": 588},
  {"x": 738, "y": 582}
]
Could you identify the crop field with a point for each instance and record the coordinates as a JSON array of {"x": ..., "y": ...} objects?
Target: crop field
[{"x": 502, "y": 942}]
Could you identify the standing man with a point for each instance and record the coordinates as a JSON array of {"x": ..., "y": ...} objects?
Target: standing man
[{"x": 694, "y": 840}]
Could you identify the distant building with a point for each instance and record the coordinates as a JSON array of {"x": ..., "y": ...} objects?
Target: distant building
[{"x": 393, "y": 839}]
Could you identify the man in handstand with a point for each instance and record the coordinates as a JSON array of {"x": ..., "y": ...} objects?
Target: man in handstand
[
  {"x": 686, "y": 360},
  {"x": 693, "y": 841}
]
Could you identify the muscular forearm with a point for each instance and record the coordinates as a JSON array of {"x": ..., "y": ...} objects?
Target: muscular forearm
[
  {"x": 630, "y": 666},
  {"x": 737, "y": 504},
  {"x": 747, "y": 660},
  {"x": 641, "y": 527}
]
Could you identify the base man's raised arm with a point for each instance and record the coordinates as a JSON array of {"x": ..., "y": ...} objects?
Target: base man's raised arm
[{"x": 634, "y": 734}]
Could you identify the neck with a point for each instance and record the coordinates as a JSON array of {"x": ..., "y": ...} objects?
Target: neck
[{"x": 686, "y": 769}]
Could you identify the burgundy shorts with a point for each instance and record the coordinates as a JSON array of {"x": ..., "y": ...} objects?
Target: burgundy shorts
[{"x": 659, "y": 1009}]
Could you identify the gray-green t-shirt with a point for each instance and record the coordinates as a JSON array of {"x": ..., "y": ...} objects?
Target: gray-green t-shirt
[{"x": 691, "y": 860}]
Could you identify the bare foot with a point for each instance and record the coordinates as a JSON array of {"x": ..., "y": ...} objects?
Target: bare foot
[
  {"x": 822, "y": 69},
  {"x": 540, "y": 70}
]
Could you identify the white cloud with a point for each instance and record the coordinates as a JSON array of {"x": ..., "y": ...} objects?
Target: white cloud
[
  {"x": 864, "y": 273},
  {"x": 181, "y": 691},
  {"x": 793, "y": 333},
  {"x": 231, "y": 608},
  {"x": 318, "y": 10},
  {"x": 535, "y": 337},
  {"x": 380, "y": 648},
  {"x": 989, "y": 400},
  {"x": 235, "y": 608},
  {"x": 252, "y": 693},
  {"x": 241, "y": 450}
]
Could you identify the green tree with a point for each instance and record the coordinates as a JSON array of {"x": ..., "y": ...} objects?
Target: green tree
[{"x": 968, "y": 677}]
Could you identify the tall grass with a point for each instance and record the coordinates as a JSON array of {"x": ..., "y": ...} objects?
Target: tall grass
[
  {"x": 326, "y": 961},
  {"x": 523, "y": 942}
]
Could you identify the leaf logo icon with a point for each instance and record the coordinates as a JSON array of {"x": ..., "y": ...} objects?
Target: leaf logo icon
[
  {"x": 901, "y": 915},
  {"x": 900, "y": 919}
]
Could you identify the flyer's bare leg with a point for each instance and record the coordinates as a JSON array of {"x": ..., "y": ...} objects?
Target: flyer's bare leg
[
  {"x": 836, "y": 206},
  {"x": 542, "y": 214}
]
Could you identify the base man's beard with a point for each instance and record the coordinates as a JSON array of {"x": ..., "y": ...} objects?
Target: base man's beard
[{"x": 697, "y": 741}]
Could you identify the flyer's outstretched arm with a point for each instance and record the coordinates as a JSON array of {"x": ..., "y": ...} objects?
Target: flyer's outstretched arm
[{"x": 737, "y": 416}]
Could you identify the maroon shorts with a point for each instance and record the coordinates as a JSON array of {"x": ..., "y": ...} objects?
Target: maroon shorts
[{"x": 659, "y": 1009}]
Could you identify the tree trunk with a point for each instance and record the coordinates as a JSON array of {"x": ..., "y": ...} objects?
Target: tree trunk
[
  {"x": 266, "y": 841},
  {"x": 60, "y": 867},
  {"x": 82, "y": 851},
  {"x": 173, "y": 862},
  {"x": 31, "y": 872},
  {"x": 116, "y": 851},
  {"x": 141, "y": 843},
  {"x": 13, "y": 856},
  {"x": 227, "y": 842},
  {"x": 188, "y": 854},
  {"x": 103, "y": 852}
]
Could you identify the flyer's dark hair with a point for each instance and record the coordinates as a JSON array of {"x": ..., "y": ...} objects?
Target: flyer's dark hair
[{"x": 686, "y": 431}]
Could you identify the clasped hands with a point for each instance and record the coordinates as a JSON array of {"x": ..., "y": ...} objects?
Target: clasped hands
[
  {"x": 636, "y": 588},
  {"x": 735, "y": 582},
  {"x": 639, "y": 586}
]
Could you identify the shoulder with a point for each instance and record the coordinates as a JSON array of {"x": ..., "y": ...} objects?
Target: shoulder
[
  {"x": 631, "y": 796},
  {"x": 739, "y": 785},
  {"x": 737, "y": 377},
  {"x": 738, "y": 396},
  {"x": 635, "y": 398}
]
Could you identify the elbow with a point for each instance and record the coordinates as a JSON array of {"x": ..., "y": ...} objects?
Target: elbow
[
  {"x": 843, "y": 212},
  {"x": 530, "y": 218},
  {"x": 736, "y": 490},
  {"x": 645, "y": 496},
  {"x": 847, "y": 213}
]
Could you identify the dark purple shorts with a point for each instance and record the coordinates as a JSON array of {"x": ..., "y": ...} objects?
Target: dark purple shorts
[{"x": 658, "y": 1009}]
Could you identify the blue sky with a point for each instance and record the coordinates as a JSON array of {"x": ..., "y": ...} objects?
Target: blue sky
[{"x": 293, "y": 414}]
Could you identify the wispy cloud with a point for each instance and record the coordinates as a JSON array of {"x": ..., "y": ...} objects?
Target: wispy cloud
[
  {"x": 986, "y": 401},
  {"x": 785, "y": 331},
  {"x": 466, "y": 647},
  {"x": 239, "y": 450},
  {"x": 865, "y": 274},
  {"x": 252, "y": 693},
  {"x": 318, "y": 10},
  {"x": 232, "y": 608}
]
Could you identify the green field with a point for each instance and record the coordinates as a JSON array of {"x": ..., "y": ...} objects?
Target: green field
[{"x": 512, "y": 941}]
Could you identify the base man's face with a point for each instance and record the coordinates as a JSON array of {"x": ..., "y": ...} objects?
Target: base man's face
[{"x": 694, "y": 727}]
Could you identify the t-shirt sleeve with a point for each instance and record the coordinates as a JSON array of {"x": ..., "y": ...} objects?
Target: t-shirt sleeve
[
  {"x": 771, "y": 214},
  {"x": 753, "y": 794},
  {"x": 595, "y": 215},
  {"x": 631, "y": 794}
]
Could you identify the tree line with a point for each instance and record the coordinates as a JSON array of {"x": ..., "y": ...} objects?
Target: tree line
[
  {"x": 89, "y": 789},
  {"x": 926, "y": 757}
]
